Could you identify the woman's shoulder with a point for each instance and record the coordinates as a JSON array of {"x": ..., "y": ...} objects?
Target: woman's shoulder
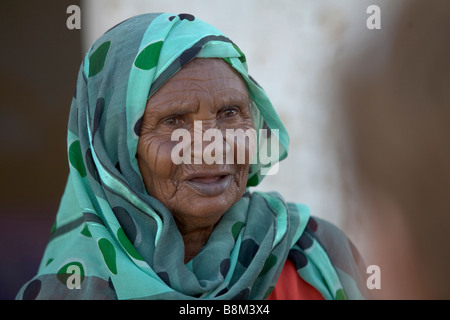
[{"x": 342, "y": 252}]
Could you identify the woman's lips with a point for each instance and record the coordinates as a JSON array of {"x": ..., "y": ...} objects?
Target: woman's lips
[{"x": 210, "y": 185}]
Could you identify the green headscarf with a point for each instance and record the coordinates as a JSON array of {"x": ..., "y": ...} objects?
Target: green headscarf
[{"x": 125, "y": 243}]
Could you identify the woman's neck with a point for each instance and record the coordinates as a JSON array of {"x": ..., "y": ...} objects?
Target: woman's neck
[{"x": 194, "y": 240}]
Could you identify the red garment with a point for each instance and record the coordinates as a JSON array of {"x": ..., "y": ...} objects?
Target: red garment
[{"x": 291, "y": 286}]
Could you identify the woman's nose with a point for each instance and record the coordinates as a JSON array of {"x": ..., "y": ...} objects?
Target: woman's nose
[{"x": 209, "y": 143}]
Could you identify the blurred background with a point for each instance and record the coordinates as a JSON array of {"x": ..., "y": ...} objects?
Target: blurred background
[
  {"x": 39, "y": 59},
  {"x": 295, "y": 50}
]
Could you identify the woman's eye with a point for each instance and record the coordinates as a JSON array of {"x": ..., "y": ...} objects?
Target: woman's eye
[
  {"x": 171, "y": 121},
  {"x": 230, "y": 112}
]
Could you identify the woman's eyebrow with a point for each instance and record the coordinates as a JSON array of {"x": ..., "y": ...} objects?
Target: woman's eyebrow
[
  {"x": 165, "y": 108},
  {"x": 239, "y": 100},
  {"x": 232, "y": 94}
]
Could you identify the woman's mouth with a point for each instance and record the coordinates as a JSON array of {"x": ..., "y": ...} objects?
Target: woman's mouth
[{"x": 209, "y": 185}]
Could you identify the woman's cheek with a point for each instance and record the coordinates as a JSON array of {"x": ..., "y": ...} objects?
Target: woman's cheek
[
  {"x": 164, "y": 166},
  {"x": 156, "y": 153}
]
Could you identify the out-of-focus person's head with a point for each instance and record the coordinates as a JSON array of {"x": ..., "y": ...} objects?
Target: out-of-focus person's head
[{"x": 399, "y": 124}]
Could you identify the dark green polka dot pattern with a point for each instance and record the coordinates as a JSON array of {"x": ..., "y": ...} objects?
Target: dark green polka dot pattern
[
  {"x": 148, "y": 58},
  {"x": 269, "y": 264},
  {"x": 236, "y": 229},
  {"x": 127, "y": 245},
  {"x": 76, "y": 159},
  {"x": 242, "y": 57},
  {"x": 340, "y": 295},
  {"x": 97, "y": 58},
  {"x": 85, "y": 232},
  {"x": 64, "y": 274},
  {"x": 109, "y": 254}
]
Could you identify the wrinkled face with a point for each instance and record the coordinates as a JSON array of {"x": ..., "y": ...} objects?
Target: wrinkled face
[{"x": 206, "y": 90}]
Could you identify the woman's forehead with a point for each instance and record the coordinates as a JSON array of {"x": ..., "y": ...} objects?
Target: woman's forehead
[
  {"x": 208, "y": 70},
  {"x": 203, "y": 78}
]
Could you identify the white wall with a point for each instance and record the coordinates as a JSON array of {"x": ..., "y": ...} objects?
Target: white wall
[{"x": 292, "y": 49}]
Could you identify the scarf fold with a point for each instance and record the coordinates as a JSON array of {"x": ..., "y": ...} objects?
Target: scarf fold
[{"x": 124, "y": 243}]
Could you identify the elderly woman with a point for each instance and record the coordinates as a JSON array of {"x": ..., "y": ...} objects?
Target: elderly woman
[{"x": 136, "y": 224}]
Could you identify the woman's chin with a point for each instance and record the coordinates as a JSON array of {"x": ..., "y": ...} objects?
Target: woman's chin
[{"x": 202, "y": 209}]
